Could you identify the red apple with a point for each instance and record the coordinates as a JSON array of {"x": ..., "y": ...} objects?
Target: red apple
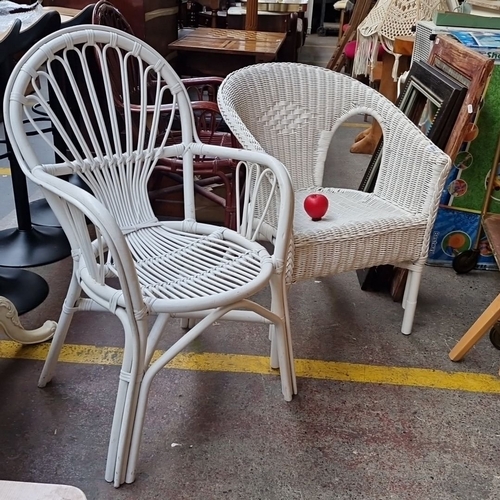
[{"x": 316, "y": 205}]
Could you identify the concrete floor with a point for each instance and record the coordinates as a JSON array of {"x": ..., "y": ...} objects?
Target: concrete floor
[{"x": 401, "y": 434}]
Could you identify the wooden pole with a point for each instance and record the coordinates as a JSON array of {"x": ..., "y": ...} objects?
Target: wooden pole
[{"x": 251, "y": 15}]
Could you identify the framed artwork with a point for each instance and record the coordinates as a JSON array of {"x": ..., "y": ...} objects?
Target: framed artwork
[
  {"x": 469, "y": 68},
  {"x": 432, "y": 100},
  {"x": 463, "y": 66}
]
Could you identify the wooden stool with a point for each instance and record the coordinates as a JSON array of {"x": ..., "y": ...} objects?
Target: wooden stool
[{"x": 477, "y": 331}]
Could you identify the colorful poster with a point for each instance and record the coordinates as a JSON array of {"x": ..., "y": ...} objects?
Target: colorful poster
[
  {"x": 473, "y": 167},
  {"x": 455, "y": 231}
]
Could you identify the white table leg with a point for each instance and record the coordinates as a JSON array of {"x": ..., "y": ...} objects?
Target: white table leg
[{"x": 11, "y": 326}]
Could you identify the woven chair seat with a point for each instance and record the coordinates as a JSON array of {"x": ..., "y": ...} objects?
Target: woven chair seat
[
  {"x": 178, "y": 266},
  {"x": 357, "y": 227}
]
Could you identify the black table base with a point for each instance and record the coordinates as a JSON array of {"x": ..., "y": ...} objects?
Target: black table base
[
  {"x": 42, "y": 214},
  {"x": 26, "y": 290},
  {"x": 37, "y": 246}
]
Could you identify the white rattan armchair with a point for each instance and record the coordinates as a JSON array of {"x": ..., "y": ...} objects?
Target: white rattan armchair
[
  {"x": 167, "y": 269},
  {"x": 291, "y": 111}
]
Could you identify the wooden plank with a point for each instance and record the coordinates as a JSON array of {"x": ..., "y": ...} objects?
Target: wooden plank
[
  {"x": 231, "y": 42},
  {"x": 263, "y": 36},
  {"x": 404, "y": 45},
  {"x": 256, "y": 48},
  {"x": 217, "y": 52},
  {"x": 200, "y": 44}
]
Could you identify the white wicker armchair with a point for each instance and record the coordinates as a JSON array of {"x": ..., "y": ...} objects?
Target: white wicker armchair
[
  {"x": 291, "y": 111},
  {"x": 167, "y": 269}
]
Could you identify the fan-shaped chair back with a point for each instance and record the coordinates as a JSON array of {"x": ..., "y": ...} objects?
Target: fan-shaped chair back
[{"x": 113, "y": 152}]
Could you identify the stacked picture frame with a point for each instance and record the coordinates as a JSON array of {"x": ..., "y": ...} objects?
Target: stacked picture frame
[
  {"x": 432, "y": 100},
  {"x": 442, "y": 97}
]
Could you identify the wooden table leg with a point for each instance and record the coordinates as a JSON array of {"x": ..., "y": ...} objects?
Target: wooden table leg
[{"x": 484, "y": 323}]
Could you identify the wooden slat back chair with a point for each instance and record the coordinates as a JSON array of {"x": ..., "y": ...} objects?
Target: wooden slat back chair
[
  {"x": 393, "y": 224},
  {"x": 174, "y": 269},
  {"x": 359, "y": 12},
  {"x": 208, "y": 125}
]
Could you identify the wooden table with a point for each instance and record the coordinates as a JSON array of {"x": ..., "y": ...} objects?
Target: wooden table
[{"x": 218, "y": 52}]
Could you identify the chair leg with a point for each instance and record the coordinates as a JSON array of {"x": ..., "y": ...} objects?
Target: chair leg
[
  {"x": 131, "y": 375},
  {"x": 130, "y": 455},
  {"x": 65, "y": 318},
  {"x": 287, "y": 382},
  {"x": 489, "y": 317},
  {"x": 407, "y": 288},
  {"x": 188, "y": 323},
  {"x": 411, "y": 296},
  {"x": 288, "y": 331},
  {"x": 274, "y": 349},
  {"x": 281, "y": 337}
]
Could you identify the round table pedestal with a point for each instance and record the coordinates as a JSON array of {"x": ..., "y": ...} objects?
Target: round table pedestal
[{"x": 26, "y": 290}]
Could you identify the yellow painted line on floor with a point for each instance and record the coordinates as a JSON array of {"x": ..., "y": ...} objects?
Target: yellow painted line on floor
[
  {"x": 4, "y": 171},
  {"x": 240, "y": 363}
]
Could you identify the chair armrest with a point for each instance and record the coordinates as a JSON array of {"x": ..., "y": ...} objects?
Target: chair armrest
[
  {"x": 65, "y": 198},
  {"x": 412, "y": 168},
  {"x": 204, "y": 86},
  {"x": 263, "y": 211}
]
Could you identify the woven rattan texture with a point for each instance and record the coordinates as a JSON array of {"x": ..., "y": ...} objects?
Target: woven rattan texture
[
  {"x": 297, "y": 112},
  {"x": 359, "y": 227}
]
